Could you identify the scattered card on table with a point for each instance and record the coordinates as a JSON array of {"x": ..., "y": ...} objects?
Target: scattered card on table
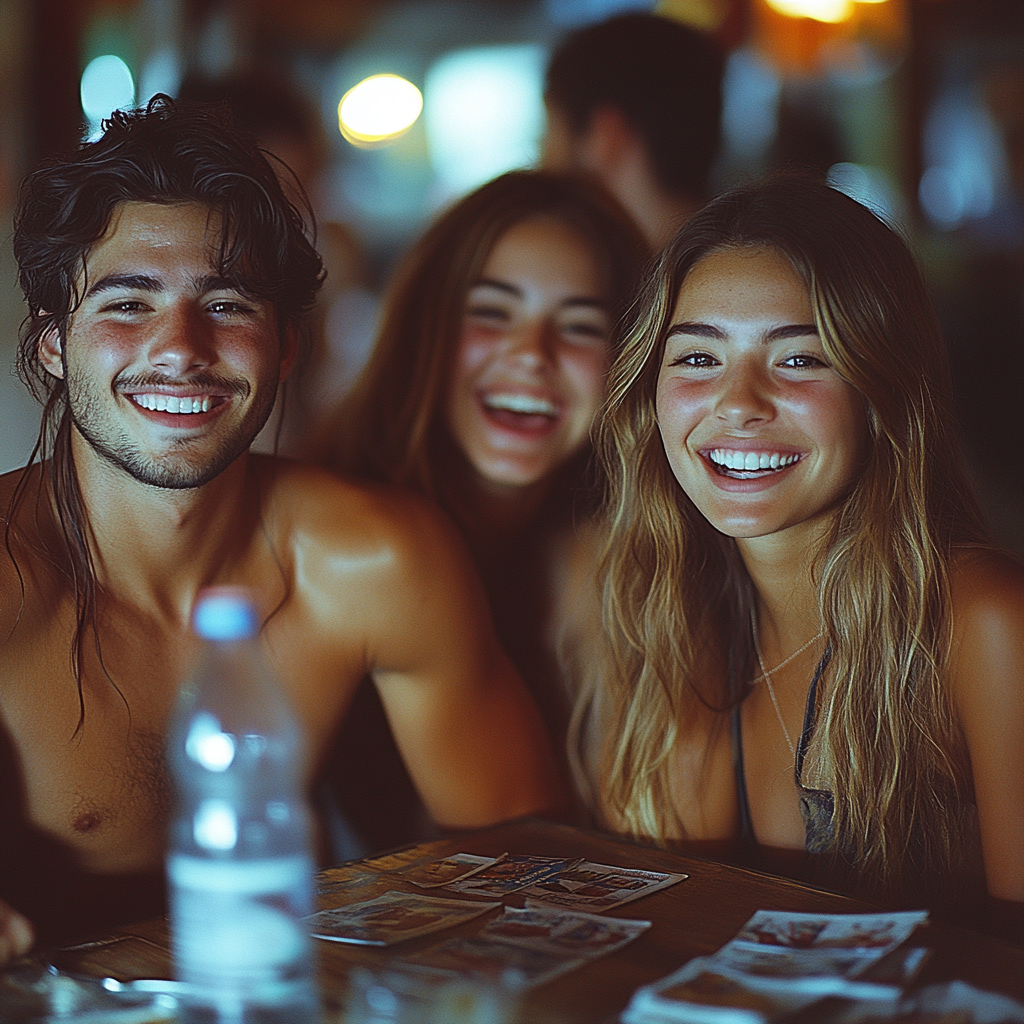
[
  {"x": 597, "y": 887},
  {"x": 528, "y": 947},
  {"x": 781, "y": 944},
  {"x": 393, "y": 917},
  {"x": 704, "y": 991},
  {"x": 436, "y": 873},
  {"x": 512, "y": 873},
  {"x": 517, "y": 967},
  {"x": 561, "y": 932},
  {"x": 782, "y": 962},
  {"x": 953, "y": 1002}
]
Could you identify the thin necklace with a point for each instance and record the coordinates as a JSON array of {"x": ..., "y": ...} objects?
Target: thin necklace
[{"x": 766, "y": 675}]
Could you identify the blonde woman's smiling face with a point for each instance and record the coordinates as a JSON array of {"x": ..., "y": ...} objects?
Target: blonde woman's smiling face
[
  {"x": 759, "y": 429},
  {"x": 530, "y": 369}
]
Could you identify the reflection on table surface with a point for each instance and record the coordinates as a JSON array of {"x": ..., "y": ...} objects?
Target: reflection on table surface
[{"x": 691, "y": 918}]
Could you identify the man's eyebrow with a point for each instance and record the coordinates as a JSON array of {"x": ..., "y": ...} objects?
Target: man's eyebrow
[
  {"x": 218, "y": 283},
  {"x": 136, "y": 282},
  {"x": 146, "y": 283},
  {"x": 700, "y": 330}
]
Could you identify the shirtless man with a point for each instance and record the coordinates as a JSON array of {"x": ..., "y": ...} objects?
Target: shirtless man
[{"x": 167, "y": 280}]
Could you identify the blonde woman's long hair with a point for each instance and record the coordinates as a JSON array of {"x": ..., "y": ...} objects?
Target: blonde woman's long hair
[{"x": 886, "y": 742}]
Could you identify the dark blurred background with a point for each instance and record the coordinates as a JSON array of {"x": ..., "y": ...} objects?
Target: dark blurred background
[{"x": 916, "y": 107}]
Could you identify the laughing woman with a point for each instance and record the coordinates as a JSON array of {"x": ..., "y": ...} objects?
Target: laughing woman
[
  {"x": 488, "y": 371},
  {"x": 812, "y": 647}
]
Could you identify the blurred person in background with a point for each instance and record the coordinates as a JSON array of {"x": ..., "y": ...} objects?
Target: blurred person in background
[
  {"x": 636, "y": 101},
  {"x": 489, "y": 368}
]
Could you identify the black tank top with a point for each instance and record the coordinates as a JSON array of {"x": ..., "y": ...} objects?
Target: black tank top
[{"x": 817, "y": 806}]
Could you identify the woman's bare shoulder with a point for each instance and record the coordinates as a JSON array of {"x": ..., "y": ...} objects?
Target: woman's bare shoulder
[
  {"x": 987, "y": 591},
  {"x": 987, "y": 588}
]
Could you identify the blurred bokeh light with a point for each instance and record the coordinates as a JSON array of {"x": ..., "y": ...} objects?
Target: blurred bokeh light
[
  {"x": 107, "y": 85},
  {"x": 379, "y": 109},
  {"x": 484, "y": 113},
  {"x": 819, "y": 10}
]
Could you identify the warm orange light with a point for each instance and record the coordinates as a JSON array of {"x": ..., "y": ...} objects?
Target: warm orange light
[{"x": 830, "y": 11}]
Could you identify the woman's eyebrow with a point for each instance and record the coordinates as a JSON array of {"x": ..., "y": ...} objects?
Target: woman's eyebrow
[
  {"x": 700, "y": 330},
  {"x": 510, "y": 289},
  {"x": 503, "y": 286},
  {"x": 791, "y": 331}
]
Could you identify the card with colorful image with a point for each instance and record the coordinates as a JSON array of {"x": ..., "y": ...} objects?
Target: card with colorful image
[
  {"x": 524, "y": 948},
  {"x": 596, "y": 887},
  {"x": 512, "y": 873},
  {"x": 393, "y": 917},
  {"x": 437, "y": 873}
]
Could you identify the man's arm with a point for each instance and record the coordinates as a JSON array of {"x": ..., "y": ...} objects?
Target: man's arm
[
  {"x": 384, "y": 586},
  {"x": 468, "y": 730}
]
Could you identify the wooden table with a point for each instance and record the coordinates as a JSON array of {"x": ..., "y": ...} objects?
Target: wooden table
[{"x": 694, "y": 917}]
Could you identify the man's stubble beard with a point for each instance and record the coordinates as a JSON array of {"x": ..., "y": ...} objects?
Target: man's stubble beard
[{"x": 168, "y": 471}]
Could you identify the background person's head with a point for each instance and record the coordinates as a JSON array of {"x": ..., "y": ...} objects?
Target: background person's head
[
  {"x": 496, "y": 331},
  {"x": 167, "y": 154},
  {"x": 637, "y": 101}
]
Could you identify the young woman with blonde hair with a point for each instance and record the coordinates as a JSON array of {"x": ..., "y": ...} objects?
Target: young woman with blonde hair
[
  {"x": 810, "y": 644},
  {"x": 487, "y": 373}
]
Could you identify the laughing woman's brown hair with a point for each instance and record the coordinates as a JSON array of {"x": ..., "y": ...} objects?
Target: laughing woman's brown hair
[
  {"x": 489, "y": 368},
  {"x": 811, "y": 644}
]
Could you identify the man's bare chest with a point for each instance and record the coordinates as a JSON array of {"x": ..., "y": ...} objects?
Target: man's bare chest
[
  {"x": 93, "y": 762},
  {"x": 92, "y": 757}
]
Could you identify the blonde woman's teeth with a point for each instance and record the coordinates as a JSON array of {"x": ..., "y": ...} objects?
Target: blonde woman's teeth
[
  {"x": 172, "y": 403},
  {"x": 750, "y": 461}
]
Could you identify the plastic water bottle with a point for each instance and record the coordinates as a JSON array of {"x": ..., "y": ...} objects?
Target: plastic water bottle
[{"x": 239, "y": 867}]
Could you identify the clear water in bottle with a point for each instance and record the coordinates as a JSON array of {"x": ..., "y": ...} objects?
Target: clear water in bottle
[{"x": 239, "y": 867}]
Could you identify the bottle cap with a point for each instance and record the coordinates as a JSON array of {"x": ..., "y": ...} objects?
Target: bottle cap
[{"x": 225, "y": 613}]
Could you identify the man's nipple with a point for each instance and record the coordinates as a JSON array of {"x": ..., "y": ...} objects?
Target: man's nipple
[{"x": 87, "y": 822}]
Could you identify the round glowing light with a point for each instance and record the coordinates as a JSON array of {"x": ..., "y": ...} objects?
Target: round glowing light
[
  {"x": 107, "y": 85},
  {"x": 379, "y": 109},
  {"x": 820, "y": 10}
]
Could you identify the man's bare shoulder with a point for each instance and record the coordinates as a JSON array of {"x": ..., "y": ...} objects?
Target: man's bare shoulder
[
  {"x": 8, "y": 485},
  {"x": 344, "y": 513},
  {"x": 346, "y": 529},
  {"x": 24, "y": 564}
]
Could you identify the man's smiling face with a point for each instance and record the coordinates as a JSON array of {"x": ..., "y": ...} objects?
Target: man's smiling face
[{"x": 171, "y": 369}]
